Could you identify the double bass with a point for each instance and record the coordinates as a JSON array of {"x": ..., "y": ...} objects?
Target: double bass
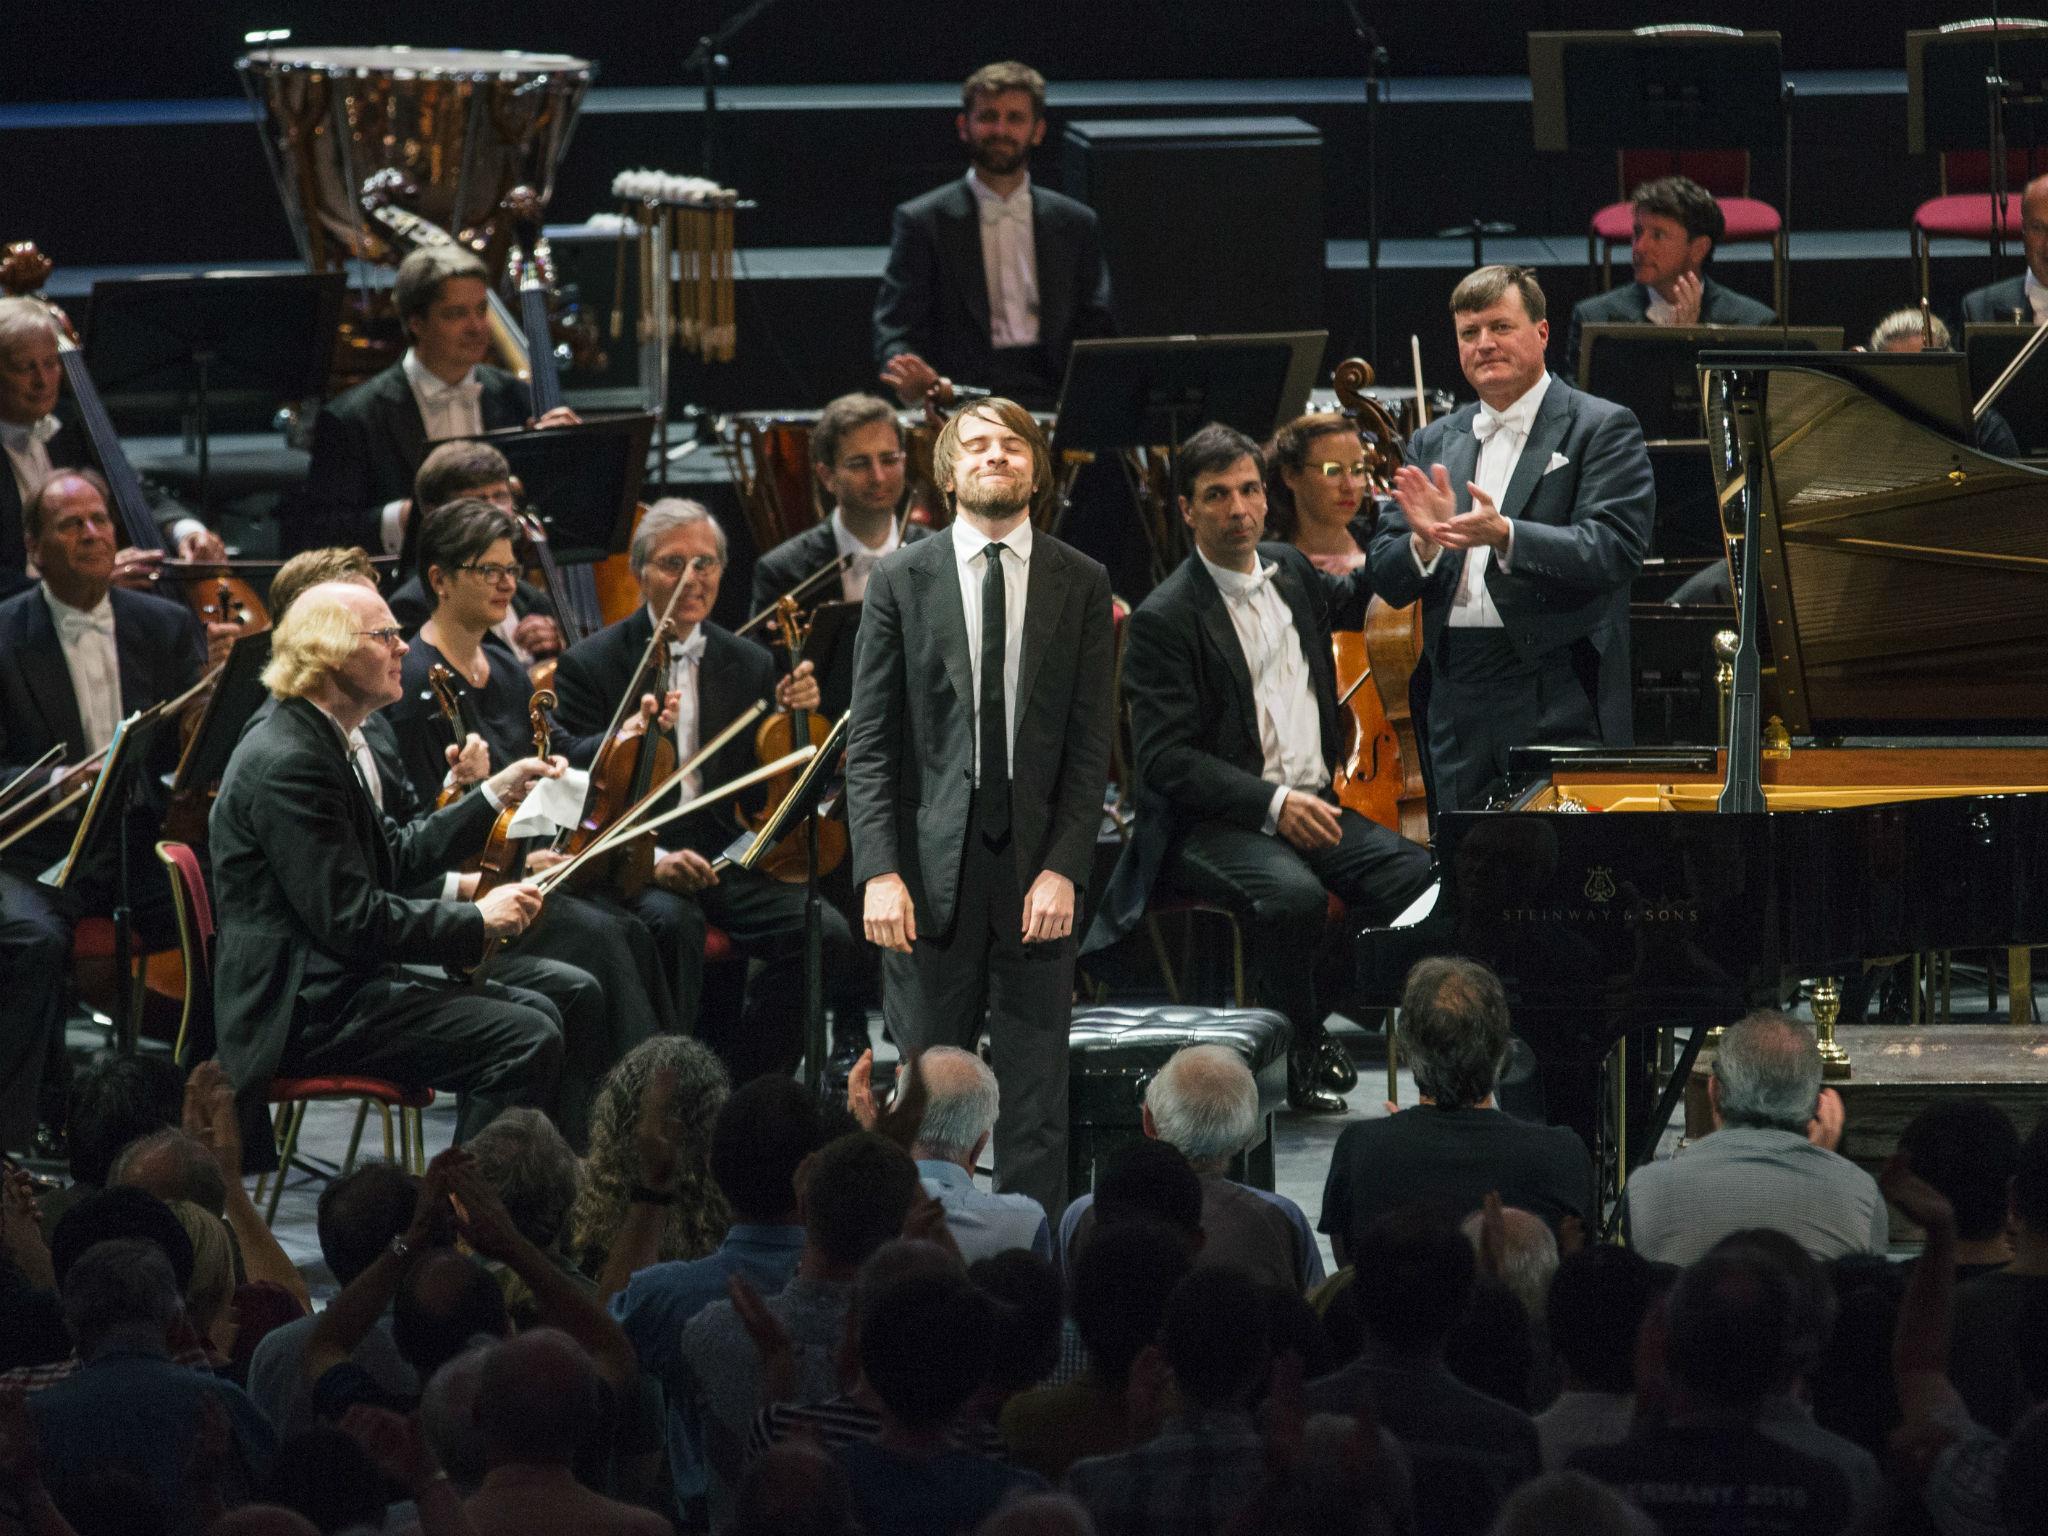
[{"x": 775, "y": 738}]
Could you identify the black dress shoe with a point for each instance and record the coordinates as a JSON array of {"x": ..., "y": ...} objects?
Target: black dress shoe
[
  {"x": 1305, "y": 1092},
  {"x": 1334, "y": 1067},
  {"x": 849, "y": 1039}
]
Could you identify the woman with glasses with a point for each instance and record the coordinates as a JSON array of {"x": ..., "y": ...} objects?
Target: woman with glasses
[
  {"x": 1316, "y": 488},
  {"x": 467, "y": 562}
]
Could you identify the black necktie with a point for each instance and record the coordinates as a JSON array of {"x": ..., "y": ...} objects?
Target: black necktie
[{"x": 995, "y": 733}]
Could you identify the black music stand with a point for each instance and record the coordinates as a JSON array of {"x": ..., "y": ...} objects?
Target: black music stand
[
  {"x": 1148, "y": 392},
  {"x": 1654, "y": 370},
  {"x": 1613, "y": 91},
  {"x": 236, "y": 696},
  {"x": 807, "y": 798},
  {"x": 1990, "y": 346},
  {"x": 583, "y": 480},
  {"x": 263, "y": 337},
  {"x": 1962, "y": 90},
  {"x": 119, "y": 789}
]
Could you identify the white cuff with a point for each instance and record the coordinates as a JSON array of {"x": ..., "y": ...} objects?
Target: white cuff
[
  {"x": 183, "y": 529},
  {"x": 391, "y": 525},
  {"x": 451, "y": 885},
  {"x": 1279, "y": 799},
  {"x": 1424, "y": 566},
  {"x": 1504, "y": 556},
  {"x": 491, "y": 796}
]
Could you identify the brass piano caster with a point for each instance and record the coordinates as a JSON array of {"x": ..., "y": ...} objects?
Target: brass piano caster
[{"x": 1827, "y": 1008}]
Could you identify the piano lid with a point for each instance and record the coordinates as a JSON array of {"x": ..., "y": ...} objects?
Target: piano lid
[{"x": 1905, "y": 572}]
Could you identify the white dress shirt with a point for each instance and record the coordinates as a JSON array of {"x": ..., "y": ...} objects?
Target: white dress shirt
[
  {"x": 1659, "y": 310},
  {"x": 1502, "y": 435},
  {"x": 1283, "y": 690},
  {"x": 2037, "y": 298},
  {"x": 94, "y": 664},
  {"x": 971, "y": 563},
  {"x": 861, "y": 560},
  {"x": 28, "y": 453},
  {"x": 447, "y": 410},
  {"x": 685, "y": 655},
  {"x": 1009, "y": 262}
]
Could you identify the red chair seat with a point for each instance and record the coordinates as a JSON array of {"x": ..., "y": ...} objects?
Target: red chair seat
[
  {"x": 1749, "y": 220},
  {"x": 1965, "y": 215},
  {"x": 92, "y": 938},
  {"x": 717, "y": 945},
  {"x": 344, "y": 1085}
]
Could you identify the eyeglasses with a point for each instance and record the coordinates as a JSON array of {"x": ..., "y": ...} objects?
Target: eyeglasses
[
  {"x": 1329, "y": 469},
  {"x": 677, "y": 565},
  {"x": 494, "y": 573},
  {"x": 388, "y": 636}
]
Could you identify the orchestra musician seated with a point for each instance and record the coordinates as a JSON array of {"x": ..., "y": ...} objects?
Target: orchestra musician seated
[
  {"x": 369, "y": 443},
  {"x": 77, "y": 655},
  {"x": 39, "y": 441},
  {"x": 1231, "y": 684},
  {"x": 2024, "y": 297},
  {"x": 1916, "y": 330},
  {"x": 1677, "y": 224},
  {"x": 1317, "y": 483},
  {"x": 712, "y": 677},
  {"x": 461, "y": 468},
  {"x": 318, "y": 965}
]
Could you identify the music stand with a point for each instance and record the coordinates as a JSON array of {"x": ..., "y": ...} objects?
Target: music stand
[
  {"x": 264, "y": 338},
  {"x": 804, "y": 800},
  {"x": 103, "y": 831},
  {"x": 1654, "y": 369},
  {"x": 583, "y": 480},
  {"x": 236, "y": 696},
  {"x": 1147, "y": 392},
  {"x": 1992, "y": 344},
  {"x": 1960, "y": 86}
]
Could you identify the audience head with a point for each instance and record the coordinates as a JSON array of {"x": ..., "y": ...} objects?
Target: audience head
[
  {"x": 2029, "y": 1199},
  {"x": 1967, "y": 1148},
  {"x": 761, "y": 1137},
  {"x": 1811, "y": 1324},
  {"x": 1732, "y": 1327},
  {"x": 924, "y": 1346},
  {"x": 1205, "y": 1102},
  {"x": 312, "y": 567},
  {"x": 1528, "y": 1255},
  {"x": 1910, "y": 330},
  {"x": 173, "y": 1165},
  {"x": 794, "y": 1488},
  {"x": 524, "y": 1158},
  {"x": 121, "y": 1291},
  {"x": 448, "y": 1415},
  {"x": 324, "y": 1474},
  {"x": 462, "y": 468},
  {"x": 210, "y": 1293},
  {"x": 1492, "y": 1345},
  {"x": 1570, "y": 1501},
  {"x": 1025, "y": 1313},
  {"x": 113, "y": 1101},
  {"x": 697, "y": 1221},
  {"x": 538, "y": 1399},
  {"x": 1153, "y": 1181},
  {"x": 444, "y": 1301},
  {"x": 1119, "y": 1285},
  {"x": 1216, "y": 1335},
  {"x": 1454, "y": 1029},
  {"x": 1676, "y": 225},
  {"x": 961, "y": 1102},
  {"x": 1296, "y": 1330},
  {"x": 855, "y": 1195},
  {"x": 111, "y": 1214},
  {"x": 1766, "y": 1073},
  {"x": 1498, "y": 314},
  {"x": 1039, "y": 1514},
  {"x": 360, "y": 1213},
  {"x": 1598, "y": 1300},
  {"x": 1414, "y": 1275},
  {"x": 857, "y": 455}
]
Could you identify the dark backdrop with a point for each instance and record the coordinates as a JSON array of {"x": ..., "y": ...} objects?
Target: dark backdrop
[{"x": 101, "y": 49}]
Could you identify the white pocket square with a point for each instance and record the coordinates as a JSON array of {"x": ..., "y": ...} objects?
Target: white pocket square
[{"x": 1557, "y": 461}]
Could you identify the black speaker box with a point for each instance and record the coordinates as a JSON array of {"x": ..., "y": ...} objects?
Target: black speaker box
[{"x": 1210, "y": 225}]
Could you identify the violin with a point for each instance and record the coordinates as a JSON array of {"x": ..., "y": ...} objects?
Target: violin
[
  {"x": 210, "y": 588},
  {"x": 504, "y": 855},
  {"x": 777, "y": 736},
  {"x": 1379, "y": 761},
  {"x": 460, "y": 713}
]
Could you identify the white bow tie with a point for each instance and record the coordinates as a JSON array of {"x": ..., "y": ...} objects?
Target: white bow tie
[
  {"x": 690, "y": 650},
  {"x": 1015, "y": 210},
  {"x": 39, "y": 431},
  {"x": 100, "y": 621},
  {"x": 1247, "y": 586},
  {"x": 1489, "y": 422},
  {"x": 437, "y": 390}
]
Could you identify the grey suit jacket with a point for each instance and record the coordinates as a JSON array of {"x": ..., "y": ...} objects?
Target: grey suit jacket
[
  {"x": 910, "y": 756},
  {"x": 1581, "y": 530},
  {"x": 1630, "y": 305},
  {"x": 1998, "y": 301}
]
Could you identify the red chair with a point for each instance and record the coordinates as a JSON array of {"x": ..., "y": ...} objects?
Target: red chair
[
  {"x": 1966, "y": 208},
  {"x": 289, "y": 1095},
  {"x": 1723, "y": 172}
]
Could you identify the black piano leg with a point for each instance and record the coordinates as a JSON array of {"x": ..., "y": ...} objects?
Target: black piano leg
[{"x": 1644, "y": 1147}]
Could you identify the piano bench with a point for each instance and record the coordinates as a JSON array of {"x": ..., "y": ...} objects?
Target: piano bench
[{"x": 1114, "y": 1052}]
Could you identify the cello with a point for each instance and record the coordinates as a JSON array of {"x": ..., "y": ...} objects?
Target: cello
[
  {"x": 776, "y": 738},
  {"x": 1379, "y": 764}
]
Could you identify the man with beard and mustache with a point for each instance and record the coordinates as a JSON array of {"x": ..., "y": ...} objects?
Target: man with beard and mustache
[
  {"x": 991, "y": 279},
  {"x": 974, "y": 777}
]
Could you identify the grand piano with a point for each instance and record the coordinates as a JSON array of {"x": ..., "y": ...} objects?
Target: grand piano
[{"x": 1871, "y": 797}]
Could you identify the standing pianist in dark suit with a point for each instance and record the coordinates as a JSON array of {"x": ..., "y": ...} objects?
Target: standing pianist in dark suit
[
  {"x": 1232, "y": 688},
  {"x": 991, "y": 279},
  {"x": 368, "y": 444},
  {"x": 1519, "y": 522},
  {"x": 975, "y": 772},
  {"x": 77, "y": 655}
]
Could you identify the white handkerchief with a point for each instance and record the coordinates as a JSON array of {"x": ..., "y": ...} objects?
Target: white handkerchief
[
  {"x": 552, "y": 805},
  {"x": 1557, "y": 461}
]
